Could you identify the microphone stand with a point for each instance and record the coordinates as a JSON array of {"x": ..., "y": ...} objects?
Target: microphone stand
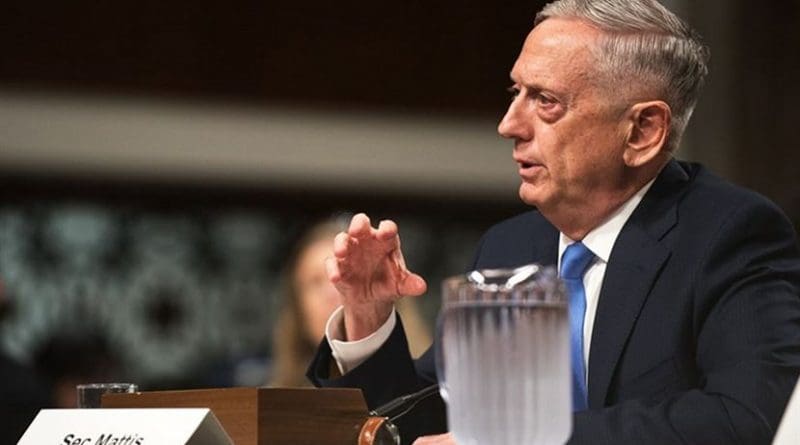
[{"x": 404, "y": 404}]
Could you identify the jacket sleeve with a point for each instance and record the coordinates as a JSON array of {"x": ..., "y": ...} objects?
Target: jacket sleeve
[{"x": 388, "y": 374}]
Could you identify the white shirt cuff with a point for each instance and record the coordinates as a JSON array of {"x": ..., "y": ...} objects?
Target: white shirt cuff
[{"x": 350, "y": 354}]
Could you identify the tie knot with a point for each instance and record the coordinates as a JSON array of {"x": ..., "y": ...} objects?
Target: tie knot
[{"x": 575, "y": 261}]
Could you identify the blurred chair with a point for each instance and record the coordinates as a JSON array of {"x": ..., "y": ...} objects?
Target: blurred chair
[
  {"x": 22, "y": 393},
  {"x": 65, "y": 361}
]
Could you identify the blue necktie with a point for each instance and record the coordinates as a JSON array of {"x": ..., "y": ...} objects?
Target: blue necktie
[{"x": 574, "y": 262}]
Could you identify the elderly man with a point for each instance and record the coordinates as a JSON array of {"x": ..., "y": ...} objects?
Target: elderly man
[{"x": 691, "y": 326}]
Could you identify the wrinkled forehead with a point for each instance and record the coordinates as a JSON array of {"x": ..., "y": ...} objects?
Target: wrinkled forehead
[{"x": 560, "y": 51}]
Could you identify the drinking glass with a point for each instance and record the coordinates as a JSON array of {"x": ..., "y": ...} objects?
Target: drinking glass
[
  {"x": 503, "y": 358},
  {"x": 90, "y": 394}
]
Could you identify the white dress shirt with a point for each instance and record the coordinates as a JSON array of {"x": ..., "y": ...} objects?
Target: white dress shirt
[{"x": 349, "y": 354}]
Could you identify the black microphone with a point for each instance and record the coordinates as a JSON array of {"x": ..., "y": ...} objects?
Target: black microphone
[{"x": 404, "y": 404}]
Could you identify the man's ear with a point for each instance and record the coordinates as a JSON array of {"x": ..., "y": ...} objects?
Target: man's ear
[{"x": 649, "y": 128}]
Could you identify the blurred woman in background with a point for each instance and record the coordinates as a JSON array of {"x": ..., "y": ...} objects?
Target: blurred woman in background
[{"x": 308, "y": 301}]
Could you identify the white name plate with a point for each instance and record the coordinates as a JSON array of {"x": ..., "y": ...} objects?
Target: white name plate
[{"x": 122, "y": 426}]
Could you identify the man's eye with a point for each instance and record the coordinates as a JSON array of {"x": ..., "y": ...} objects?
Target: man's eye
[{"x": 545, "y": 100}]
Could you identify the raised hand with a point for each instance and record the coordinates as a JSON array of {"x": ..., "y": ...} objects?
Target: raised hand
[{"x": 369, "y": 271}]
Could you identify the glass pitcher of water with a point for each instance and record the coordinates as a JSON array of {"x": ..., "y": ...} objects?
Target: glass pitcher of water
[{"x": 503, "y": 357}]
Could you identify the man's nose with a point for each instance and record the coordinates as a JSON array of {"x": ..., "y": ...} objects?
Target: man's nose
[{"x": 514, "y": 125}]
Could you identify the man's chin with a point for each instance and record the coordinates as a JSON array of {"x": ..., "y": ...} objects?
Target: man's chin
[{"x": 529, "y": 195}]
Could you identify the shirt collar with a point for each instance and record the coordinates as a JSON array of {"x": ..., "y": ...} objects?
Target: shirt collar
[{"x": 601, "y": 239}]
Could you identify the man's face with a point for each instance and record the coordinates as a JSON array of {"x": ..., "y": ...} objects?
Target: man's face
[{"x": 568, "y": 133}]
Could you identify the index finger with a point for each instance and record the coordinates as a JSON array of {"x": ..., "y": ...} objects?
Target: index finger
[{"x": 359, "y": 226}]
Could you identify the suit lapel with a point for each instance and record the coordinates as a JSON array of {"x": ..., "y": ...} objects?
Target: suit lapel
[
  {"x": 635, "y": 263},
  {"x": 547, "y": 252}
]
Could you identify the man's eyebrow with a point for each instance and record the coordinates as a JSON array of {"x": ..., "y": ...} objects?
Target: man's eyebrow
[{"x": 532, "y": 86}]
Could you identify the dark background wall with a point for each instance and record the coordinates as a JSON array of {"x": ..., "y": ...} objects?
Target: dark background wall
[
  {"x": 767, "y": 156},
  {"x": 745, "y": 125},
  {"x": 444, "y": 55}
]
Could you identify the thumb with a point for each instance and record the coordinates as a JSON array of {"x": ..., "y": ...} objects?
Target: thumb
[{"x": 412, "y": 285}]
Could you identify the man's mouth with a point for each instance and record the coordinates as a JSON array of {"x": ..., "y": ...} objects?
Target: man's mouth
[{"x": 527, "y": 169}]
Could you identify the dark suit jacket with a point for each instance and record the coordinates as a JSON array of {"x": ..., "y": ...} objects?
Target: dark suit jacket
[{"x": 697, "y": 332}]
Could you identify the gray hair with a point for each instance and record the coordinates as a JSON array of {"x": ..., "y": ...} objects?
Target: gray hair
[{"x": 646, "y": 44}]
